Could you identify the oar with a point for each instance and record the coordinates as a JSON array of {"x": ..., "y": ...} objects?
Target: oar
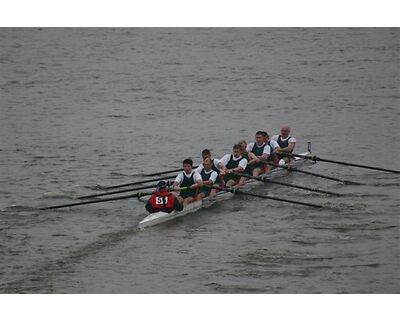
[
  {"x": 137, "y": 182},
  {"x": 115, "y": 192},
  {"x": 125, "y": 190},
  {"x": 137, "y": 195},
  {"x": 315, "y": 158},
  {"x": 265, "y": 179},
  {"x": 164, "y": 172},
  {"x": 267, "y": 197},
  {"x": 289, "y": 168}
]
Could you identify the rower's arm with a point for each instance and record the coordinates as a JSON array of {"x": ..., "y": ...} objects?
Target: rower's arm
[
  {"x": 212, "y": 179},
  {"x": 251, "y": 155},
  {"x": 237, "y": 170},
  {"x": 291, "y": 146},
  {"x": 288, "y": 149},
  {"x": 221, "y": 164},
  {"x": 240, "y": 168},
  {"x": 176, "y": 185},
  {"x": 199, "y": 181}
]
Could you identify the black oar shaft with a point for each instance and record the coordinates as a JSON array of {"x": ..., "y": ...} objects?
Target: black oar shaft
[
  {"x": 137, "y": 182},
  {"x": 264, "y": 179},
  {"x": 315, "y": 158},
  {"x": 279, "y": 199},
  {"x": 300, "y": 187},
  {"x": 312, "y": 173},
  {"x": 358, "y": 165},
  {"x": 267, "y": 197},
  {"x": 323, "y": 176},
  {"x": 115, "y": 192},
  {"x": 164, "y": 172},
  {"x": 138, "y": 195}
]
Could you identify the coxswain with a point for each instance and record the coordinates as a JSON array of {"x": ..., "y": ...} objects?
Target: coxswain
[
  {"x": 286, "y": 144},
  {"x": 232, "y": 163},
  {"x": 209, "y": 177},
  {"x": 189, "y": 181},
  {"x": 163, "y": 200}
]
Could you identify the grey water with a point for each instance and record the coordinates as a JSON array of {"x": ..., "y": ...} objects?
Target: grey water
[{"x": 87, "y": 107}]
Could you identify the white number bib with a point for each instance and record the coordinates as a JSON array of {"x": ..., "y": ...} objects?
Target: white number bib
[{"x": 161, "y": 200}]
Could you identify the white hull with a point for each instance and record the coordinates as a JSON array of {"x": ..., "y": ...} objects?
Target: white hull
[{"x": 160, "y": 217}]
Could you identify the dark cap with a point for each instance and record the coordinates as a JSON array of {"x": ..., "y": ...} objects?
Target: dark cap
[{"x": 161, "y": 185}]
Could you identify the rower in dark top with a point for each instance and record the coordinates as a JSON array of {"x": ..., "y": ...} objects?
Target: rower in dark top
[
  {"x": 189, "y": 181},
  {"x": 209, "y": 176},
  {"x": 259, "y": 153},
  {"x": 248, "y": 170},
  {"x": 214, "y": 162},
  {"x": 286, "y": 144},
  {"x": 163, "y": 200},
  {"x": 231, "y": 164}
]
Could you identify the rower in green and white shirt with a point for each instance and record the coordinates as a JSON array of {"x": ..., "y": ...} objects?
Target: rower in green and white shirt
[
  {"x": 286, "y": 144},
  {"x": 189, "y": 181},
  {"x": 209, "y": 177},
  {"x": 232, "y": 163},
  {"x": 214, "y": 162},
  {"x": 259, "y": 153}
]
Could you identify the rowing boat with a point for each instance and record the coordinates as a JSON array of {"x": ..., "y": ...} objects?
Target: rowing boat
[{"x": 161, "y": 217}]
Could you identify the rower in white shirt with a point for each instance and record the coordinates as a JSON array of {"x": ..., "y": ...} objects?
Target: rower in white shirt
[
  {"x": 214, "y": 162},
  {"x": 259, "y": 153},
  {"x": 286, "y": 144},
  {"x": 232, "y": 163},
  {"x": 209, "y": 177},
  {"x": 187, "y": 179}
]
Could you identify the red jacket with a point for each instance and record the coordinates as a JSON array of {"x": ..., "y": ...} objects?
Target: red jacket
[{"x": 163, "y": 200}]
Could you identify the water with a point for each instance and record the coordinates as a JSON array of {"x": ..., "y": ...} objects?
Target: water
[{"x": 82, "y": 107}]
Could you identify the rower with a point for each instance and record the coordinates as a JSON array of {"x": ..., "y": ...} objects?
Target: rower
[
  {"x": 286, "y": 144},
  {"x": 231, "y": 164},
  {"x": 248, "y": 170},
  {"x": 259, "y": 153},
  {"x": 214, "y": 162},
  {"x": 273, "y": 145},
  {"x": 189, "y": 180},
  {"x": 209, "y": 177},
  {"x": 163, "y": 200}
]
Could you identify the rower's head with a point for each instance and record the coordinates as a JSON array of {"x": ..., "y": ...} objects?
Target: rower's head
[
  {"x": 206, "y": 154},
  {"x": 207, "y": 164},
  {"x": 162, "y": 185},
  {"x": 187, "y": 165},
  {"x": 266, "y": 136},
  {"x": 243, "y": 145},
  {"x": 237, "y": 150},
  {"x": 285, "y": 130},
  {"x": 260, "y": 137}
]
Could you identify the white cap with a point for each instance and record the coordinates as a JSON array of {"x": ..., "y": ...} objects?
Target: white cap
[{"x": 282, "y": 162}]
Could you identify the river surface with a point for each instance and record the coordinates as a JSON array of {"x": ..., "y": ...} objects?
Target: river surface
[{"x": 88, "y": 107}]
